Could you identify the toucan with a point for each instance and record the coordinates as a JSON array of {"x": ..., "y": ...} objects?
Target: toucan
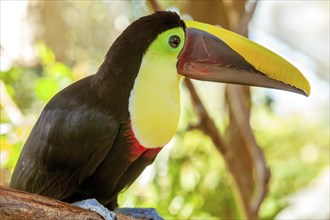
[{"x": 96, "y": 136}]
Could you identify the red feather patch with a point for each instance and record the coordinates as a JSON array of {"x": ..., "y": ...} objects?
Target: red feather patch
[{"x": 136, "y": 149}]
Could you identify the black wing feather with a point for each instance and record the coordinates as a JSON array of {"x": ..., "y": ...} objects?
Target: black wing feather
[{"x": 69, "y": 141}]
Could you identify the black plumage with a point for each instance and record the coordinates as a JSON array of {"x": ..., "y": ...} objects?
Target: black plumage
[{"x": 82, "y": 145}]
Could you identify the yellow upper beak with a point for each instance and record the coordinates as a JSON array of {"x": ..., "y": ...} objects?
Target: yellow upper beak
[{"x": 215, "y": 54}]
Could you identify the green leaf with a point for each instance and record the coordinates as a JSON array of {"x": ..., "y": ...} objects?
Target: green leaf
[
  {"x": 45, "y": 54},
  {"x": 60, "y": 70},
  {"x": 46, "y": 88}
]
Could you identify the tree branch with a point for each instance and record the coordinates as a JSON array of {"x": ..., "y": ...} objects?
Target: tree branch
[
  {"x": 15, "y": 204},
  {"x": 154, "y": 5},
  {"x": 239, "y": 111},
  {"x": 244, "y": 24},
  {"x": 262, "y": 173},
  {"x": 206, "y": 124}
]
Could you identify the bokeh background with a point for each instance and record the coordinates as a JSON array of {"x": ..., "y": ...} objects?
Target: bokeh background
[{"x": 47, "y": 45}]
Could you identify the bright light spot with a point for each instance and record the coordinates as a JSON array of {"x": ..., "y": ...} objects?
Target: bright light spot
[
  {"x": 163, "y": 157},
  {"x": 189, "y": 179},
  {"x": 174, "y": 9},
  {"x": 187, "y": 210},
  {"x": 5, "y": 128},
  {"x": 121, "y": 22},
  {"x": 15, "y": 34},
  {"x": 5, "y": 63},
  {"x": 309, "y": 153},
  {"x": 147, "y": 175},
  {"x": 176, "y": 205},
  {"x": 129, "y": 202},
  {"x": 4, "y": 156}
]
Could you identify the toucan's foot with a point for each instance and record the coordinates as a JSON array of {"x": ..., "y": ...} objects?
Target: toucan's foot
[
  {"x": 95, "y": 206},
  {"x": 141, "y": 213}
]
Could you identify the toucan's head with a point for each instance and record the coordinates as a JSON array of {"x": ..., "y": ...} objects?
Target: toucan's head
[
  {"x": 206, "y": 52},
  {"x": 154, "y": 52}
]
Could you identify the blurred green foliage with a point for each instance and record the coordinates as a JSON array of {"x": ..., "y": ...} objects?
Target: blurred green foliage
[
  {"x": 30, "y": 88},
  {"x": 197, "y": 185},
  {"x": 55, "y": 76},
  {"x": 188, "y": 179}
]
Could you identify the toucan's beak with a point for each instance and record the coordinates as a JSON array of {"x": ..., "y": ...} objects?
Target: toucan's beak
[{"x": 214, "y": 54}]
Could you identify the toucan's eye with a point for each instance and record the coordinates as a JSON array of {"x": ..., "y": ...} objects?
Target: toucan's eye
[{"x": 174, "y": 41}]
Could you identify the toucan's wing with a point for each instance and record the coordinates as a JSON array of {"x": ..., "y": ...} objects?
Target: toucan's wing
[{"x": 67, "y": 144}]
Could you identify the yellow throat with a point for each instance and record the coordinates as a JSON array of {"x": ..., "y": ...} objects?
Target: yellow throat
[{"x": 154, "y": 103}]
